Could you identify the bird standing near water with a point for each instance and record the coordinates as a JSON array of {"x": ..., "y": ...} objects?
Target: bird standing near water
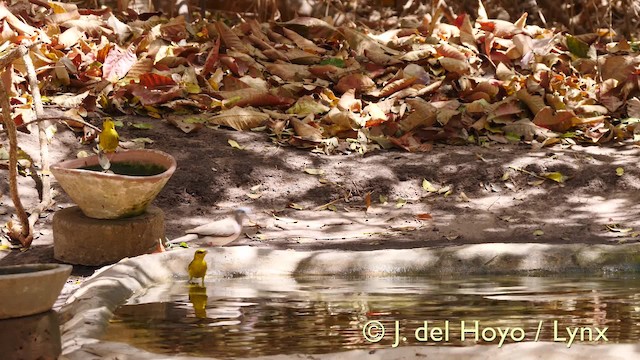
[
  {"x": 217, "y": 233},
  {"x": 198, "y": 266}
]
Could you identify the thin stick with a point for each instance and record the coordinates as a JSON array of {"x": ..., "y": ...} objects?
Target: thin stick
[
  {"x": 322, "y": 207},
  {"x": 42, "y": 131},
  {"x": 25, "y": 235},
  {"x": 528, "y": 173},
  {"x": 59, "y": 118}
]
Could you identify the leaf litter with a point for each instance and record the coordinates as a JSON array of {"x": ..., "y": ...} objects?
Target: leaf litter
[{"x": 465, "y": 81}]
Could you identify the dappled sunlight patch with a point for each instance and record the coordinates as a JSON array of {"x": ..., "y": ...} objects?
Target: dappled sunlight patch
[{"x": 607, "y": 210}]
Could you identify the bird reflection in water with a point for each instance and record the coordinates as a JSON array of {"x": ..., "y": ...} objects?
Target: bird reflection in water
[{"x": 198, "y": 298}]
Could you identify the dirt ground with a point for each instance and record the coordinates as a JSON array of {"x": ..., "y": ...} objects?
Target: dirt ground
[{"x": 293, "y": 209}]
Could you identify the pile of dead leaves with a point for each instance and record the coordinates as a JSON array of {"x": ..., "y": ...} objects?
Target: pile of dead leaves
[{"x": 335, "y": 89}]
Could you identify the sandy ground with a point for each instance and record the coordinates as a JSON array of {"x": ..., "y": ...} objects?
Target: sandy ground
[{"x": 477, "y": 202}]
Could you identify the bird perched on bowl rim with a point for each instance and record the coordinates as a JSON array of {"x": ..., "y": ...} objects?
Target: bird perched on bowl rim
[
  {"x": 107, "y": 142},
  {"x": 217, "y": 233},
  {"x": 198, "y": 266},
  {"x": 108, "y": 138}
]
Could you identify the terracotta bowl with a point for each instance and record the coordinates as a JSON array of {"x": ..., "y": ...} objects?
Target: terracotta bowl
[
  {"x": 30, "y": 289},
  {"x": 103, "y": 195}
]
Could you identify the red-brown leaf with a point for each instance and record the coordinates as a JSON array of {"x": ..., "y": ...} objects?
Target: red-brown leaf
[
  {"x": 230, "y": 39},
  {"x": 118, "y": 63},
  {"x": 360, "y": 82},
  {"x": 424, "y": 216},
  {"x": 303, "y": 43},
  {"x": 289, "y": 72},
  {"x": 450, "y": 51},
  {"x": 409, "y": 143},
  {"x": 324, "y": 71},
  {"x": 151, "y": 80},
  {"x": 103, "y": 52},
  {"x": 560, "y": 121},
  {"x": 174, "y": 30},
  {"x": 396, "y": 85},
  {"x": 254, "y": 97},
  {"x": 153, "y": 97},
  {"x": 238, "y": 68},
  {"x": 212, "y": 58}
]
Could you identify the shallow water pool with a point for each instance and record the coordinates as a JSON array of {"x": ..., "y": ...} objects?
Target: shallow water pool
[{"x": 241, "y": 317}]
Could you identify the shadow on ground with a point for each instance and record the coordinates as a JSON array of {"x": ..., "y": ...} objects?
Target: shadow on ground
[{"x": 482, "y": 194}]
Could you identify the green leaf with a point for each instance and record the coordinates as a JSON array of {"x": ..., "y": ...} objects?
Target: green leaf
[
  {"x": 4, "y": 154},
  {"x": 296, "y": 206},
  {"x": 81, "y": 154},
  {"x": 568, "y": 134},
  {"x": 577, "y": 47},
  {"x": 630, "y": 121},
  {"x": 427, "y": 186},
  {"x": 512, "y": 137},
  {"x": 555, "y": 176},
  {"x": 314, "y": 171},
  {"x": 307, "y": 105},
  {"x": 337, "y": 62},
  {"x": 617, "y": 228},
  {"x": 619, "y": 171},
  {"x": 142, "y": 126},
  {"x": 234, "y": 144},
  {"x": 254, "y": 195},
  {"x": 400, "y": 203},
  {"x": 538, "y": 232},
  {"x": 144, "y": 140}
]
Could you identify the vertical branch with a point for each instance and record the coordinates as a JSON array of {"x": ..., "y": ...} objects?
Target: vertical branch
[
  {"x": 610, "y": 22},
  {"x": 25, "y": 235},
  {"x": 572, "y": 27},
  {"x": 42, "y": 131}
]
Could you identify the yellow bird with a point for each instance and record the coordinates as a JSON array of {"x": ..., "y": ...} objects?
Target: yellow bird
[
  {"x": 109, "y": 136},
  {"x": 198, "y": 266},
  {"x": 198, "y": 298}
]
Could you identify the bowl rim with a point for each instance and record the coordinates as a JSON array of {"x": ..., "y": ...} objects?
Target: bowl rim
[
  {"x": 61, "y": 166},
  {"x": 52, "y": 269}
]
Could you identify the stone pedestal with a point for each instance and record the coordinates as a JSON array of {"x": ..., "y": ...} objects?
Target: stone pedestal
[
  {"x": 30, "y": 337},
  {"x": 81, "y": 240}
]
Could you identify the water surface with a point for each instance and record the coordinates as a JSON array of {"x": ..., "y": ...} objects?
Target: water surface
[
  {"x": 241, "y": 317},
  {"x": 130, "y": 168}
]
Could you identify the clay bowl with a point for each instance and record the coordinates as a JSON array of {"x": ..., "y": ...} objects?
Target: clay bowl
[
  {"x": 30, "y": 289},
  {"x": 103, "y": 195}
]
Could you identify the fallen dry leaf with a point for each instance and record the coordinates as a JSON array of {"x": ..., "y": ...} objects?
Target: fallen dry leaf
[
  {"x": 239, "y": 118},
  {"x": 424, "y": 216}
]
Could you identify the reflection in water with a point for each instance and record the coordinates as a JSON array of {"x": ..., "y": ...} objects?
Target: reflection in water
[
  {"x": 266, "y": 316},
  {"x": 198, "y": 297}
]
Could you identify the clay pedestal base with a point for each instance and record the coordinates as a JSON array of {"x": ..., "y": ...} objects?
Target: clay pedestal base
[{"x": 80, "y": 240}]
